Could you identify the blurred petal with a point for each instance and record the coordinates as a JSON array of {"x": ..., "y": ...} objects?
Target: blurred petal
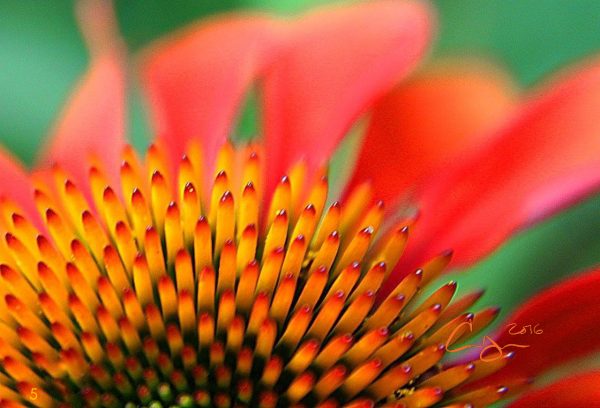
[
  {"x": 567, "y": 313},
  {"x": 16, "y": 185},
  {"x": 197, "y": 80},
  {"x": 98, "y": 24},
  {"x": 578, "y": 391},
  {"x": 545, "y": 158},
  {"x": 340, "y": 60},
  {"x": 92, "y": 124},
  {"x": 427, "y": 121}
]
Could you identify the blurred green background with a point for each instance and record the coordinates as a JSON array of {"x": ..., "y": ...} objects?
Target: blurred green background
[{"x": 41, "y": 55}]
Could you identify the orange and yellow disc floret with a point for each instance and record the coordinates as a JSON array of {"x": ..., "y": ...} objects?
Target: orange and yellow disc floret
[{"x": 167, "y": 292}]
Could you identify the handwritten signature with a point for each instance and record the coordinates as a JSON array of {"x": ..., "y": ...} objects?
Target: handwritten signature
[{"x": 488, "y": 344}]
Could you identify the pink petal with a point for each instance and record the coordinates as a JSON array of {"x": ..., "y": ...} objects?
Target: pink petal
[
  {"x": 92, "y": 124},
  {"x": 427, "y": 121},
  {"x": 16, "y": 185},
  {"x": 340, "y": 60},
  {"x": 545, "y": 158},
  {"x": 582, "y": 390},
  {"x": 197, "y": 80}
]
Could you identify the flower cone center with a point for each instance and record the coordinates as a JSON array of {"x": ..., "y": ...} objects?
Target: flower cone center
[{"x": 166, "y": 290}]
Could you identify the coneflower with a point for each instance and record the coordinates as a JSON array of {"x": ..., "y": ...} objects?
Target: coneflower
[
  {"x": 181, "y": 282},
  {"x": 154, "y": 294}
]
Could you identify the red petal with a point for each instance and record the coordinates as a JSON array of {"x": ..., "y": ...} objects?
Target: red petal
[
  {"x": 16, "y": 185},
  {"x": 197, "y": 80},
  {"x": 340, "y": 60},
  {"x": 92, "y": 123},
  {"x": 429, "y": 120},
  {"x": 567, "y": 314},
  {"x": 578, "y": 391},
  {"x": 545, "y": 158}
]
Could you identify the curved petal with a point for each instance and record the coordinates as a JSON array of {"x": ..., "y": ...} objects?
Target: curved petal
[
  {"x": 578, "y": 391},
  {"x": 567, "y": 316},
  {"x": 339, "y": 61},
  {"x": 543, "y": 159},
  {"x": 428, "y": 121},
  {"x": 16, "y": 185},
  {"x": 197, "y": 80},
  {"x": 92, "y": 125}
]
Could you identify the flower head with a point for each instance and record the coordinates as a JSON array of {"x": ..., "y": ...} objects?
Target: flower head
[
  {"x": 214, "y": 274},
  {"x": 162, "y": 294}
]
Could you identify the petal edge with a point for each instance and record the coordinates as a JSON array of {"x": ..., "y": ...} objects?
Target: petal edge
[{"x": 341, "y": 59}]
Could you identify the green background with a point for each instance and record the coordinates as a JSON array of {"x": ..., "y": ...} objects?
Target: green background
[{"x": 41, "y": 55}]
